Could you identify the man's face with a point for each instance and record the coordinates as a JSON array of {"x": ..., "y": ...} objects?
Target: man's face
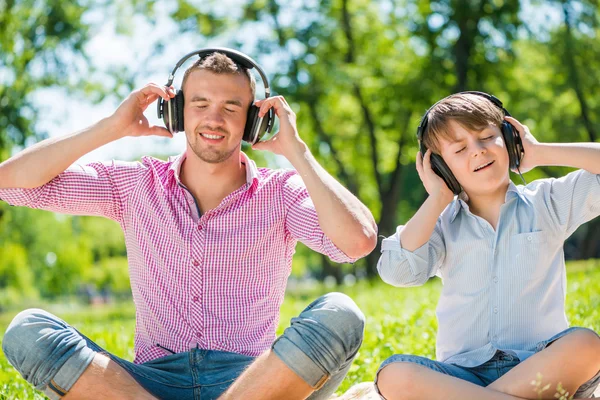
[
  {"x": 215, "y": 111},
  {"x": 478, "y": 160}
]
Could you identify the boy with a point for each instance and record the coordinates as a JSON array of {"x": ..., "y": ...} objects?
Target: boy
[{"x": 499, "y": 251}]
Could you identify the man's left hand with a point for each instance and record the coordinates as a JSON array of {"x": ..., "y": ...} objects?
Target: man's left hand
[{"x": 287, "y": 141}]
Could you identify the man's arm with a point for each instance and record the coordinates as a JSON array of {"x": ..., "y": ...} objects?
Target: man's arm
[
  {"x": 343, "y": 218},
  {"x": 40, "y": 163}
]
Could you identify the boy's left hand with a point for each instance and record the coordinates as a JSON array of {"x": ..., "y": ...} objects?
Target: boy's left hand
[{"x": 530, "y": 144}]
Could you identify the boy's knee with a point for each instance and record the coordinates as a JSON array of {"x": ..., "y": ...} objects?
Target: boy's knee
[
  {"x": 399, "y": 380},
  {"x": 587, "y": 342}
]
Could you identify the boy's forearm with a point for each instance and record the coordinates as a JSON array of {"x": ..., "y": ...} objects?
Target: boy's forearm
[
  {"x": 577, "y": 155},
  {"x": 418, "y": 230},
  {"x": 40, "y": 163}
]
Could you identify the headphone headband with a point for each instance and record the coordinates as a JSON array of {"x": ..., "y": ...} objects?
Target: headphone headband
[
  {"x": 238, "y": 57},
  {"x": 496, "y": 101},
  {"x": 172, "y": 111}
]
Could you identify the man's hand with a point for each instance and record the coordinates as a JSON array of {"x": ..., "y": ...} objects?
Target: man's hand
[
  {"x": 129, "y": 118},
  {"x": 287, "y": 141},
  {"x": 530, "y": 146},
  {"x": 434, "y": 185}
]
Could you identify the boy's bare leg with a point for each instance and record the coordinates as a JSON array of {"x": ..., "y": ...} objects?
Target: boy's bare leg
[
  {"x": 406, "y": 381},
  {"x": 571, "y": 360},
  {"x": 106, "y": 379},
  {"x": 268, "y": 378}
]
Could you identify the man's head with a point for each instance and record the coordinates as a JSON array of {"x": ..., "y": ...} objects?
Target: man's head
[
  {"x": 217, "y": 93},
  {"x": 465, "y": 130}
]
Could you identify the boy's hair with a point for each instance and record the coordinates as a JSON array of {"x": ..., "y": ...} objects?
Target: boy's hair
[
  {"x": 219, "y": 63},
  {"x": 471, "y": 111}
]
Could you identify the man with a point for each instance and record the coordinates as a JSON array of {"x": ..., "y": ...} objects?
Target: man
[{"x": 210, "y": 239}]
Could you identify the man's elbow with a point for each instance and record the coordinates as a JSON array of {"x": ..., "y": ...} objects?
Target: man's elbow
[{"x": 364, "y": 244}]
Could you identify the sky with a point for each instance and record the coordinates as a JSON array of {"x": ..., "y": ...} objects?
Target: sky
[{"x": 110, "y": 49}]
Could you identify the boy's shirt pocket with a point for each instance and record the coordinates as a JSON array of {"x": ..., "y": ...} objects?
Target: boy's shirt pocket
[{"x": 529, "y": 255}]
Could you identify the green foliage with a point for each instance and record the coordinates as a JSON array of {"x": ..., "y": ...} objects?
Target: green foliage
[{"x": 398, "y": 321}]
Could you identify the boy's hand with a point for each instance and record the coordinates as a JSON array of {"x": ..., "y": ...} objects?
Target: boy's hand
[
  {"x": 530, "y": 144},
  {"x": 434, "y": 185}
]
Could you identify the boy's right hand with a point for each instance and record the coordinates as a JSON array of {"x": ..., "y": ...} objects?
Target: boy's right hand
[
  {"x": 129, "y": 118},
  {"x": 434, "y": 184}
]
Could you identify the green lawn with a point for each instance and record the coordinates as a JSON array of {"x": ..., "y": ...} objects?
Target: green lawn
[{"x": 398, "y": 321}]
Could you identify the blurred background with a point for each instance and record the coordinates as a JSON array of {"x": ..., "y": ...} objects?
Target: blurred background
[{"x": 358, "y": 73}]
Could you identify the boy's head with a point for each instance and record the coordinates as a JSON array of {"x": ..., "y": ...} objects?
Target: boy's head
[
  {"x": 468, "y": 135},
  {"x": 471, "y": 111}
]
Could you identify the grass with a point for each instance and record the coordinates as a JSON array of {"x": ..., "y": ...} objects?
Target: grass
[{"x": 398, "y": 321}]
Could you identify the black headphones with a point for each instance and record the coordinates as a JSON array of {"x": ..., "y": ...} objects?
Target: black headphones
[
  {"x": 513, "y": 142},
  {"x": 171, "y": 111}
]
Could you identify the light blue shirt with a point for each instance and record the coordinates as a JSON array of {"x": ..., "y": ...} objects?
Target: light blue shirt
[{"x": 503, "y": 289}]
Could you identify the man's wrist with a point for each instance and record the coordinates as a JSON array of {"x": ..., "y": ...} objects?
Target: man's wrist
[{"x": 297, "y": 152}]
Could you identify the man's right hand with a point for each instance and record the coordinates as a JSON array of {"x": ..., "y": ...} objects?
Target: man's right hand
[
  {"x": 434, "y": 185},
  {"x": 129, "y": 118}
]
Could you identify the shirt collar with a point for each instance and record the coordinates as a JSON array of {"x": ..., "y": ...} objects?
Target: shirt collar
[
  {"x": 251, "y": 168},
  {"x": 513, "y": 191}
]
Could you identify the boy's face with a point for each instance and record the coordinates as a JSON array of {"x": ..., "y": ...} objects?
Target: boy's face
[
  {"x": 478, "y": 160},
  {"x": 215, "y": 111}
]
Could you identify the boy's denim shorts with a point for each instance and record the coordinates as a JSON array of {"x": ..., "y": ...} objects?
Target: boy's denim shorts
[
  {"x": 491, "y": 370},
  {"x": 319, "y": 346}
]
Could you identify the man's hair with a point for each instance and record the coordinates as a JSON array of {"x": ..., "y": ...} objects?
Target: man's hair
[
  {"x": 219, "y": 63},
  {"x": 471, "y": 111}
]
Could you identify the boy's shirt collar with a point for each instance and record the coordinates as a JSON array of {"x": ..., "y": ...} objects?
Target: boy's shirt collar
[{"x": 512, "y": 192}]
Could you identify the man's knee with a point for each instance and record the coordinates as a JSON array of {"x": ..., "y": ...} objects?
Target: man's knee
[
  {"x": 340, "y": 315},
  {"x": 30, "y": 343}
]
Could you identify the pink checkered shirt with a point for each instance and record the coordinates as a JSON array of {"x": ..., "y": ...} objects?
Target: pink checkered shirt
[{"x": 215, "y": 281}]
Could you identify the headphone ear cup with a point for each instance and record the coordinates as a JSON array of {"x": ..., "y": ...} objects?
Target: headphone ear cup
[
  {"x": 513, "y": 144},
  {"x": 439, "y": 166},
  {"x": 178, "y": 112},
  {"x": 251, "y": 120}
]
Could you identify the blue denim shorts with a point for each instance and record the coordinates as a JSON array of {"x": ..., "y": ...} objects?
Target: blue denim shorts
[
  {"x": 319, "y": 346},
  {"x": 492, "y": 369}
]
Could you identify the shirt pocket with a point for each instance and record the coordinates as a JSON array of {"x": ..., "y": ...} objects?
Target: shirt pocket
[{"x": 529, "y": 255}]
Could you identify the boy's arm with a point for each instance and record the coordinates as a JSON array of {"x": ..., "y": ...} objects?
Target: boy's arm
[
  {"x": 576, "y": 155},
  {"x": 413, "y": 254},
  {"x": 574, "y": 198},
  {"x": 419, "y": 228}
]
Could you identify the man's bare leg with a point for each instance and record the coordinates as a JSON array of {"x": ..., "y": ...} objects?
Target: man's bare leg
[
  {"x": 406, "y": 381},
  {"x": 106, "y": 379},
  {"x": 572, "y": 360},
  {"x": 268, "y": 378}
]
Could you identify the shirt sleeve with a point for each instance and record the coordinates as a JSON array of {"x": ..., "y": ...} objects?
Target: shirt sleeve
[
  {"x": 400, "y": 267},
  {"x": 302, "y": 222},
  {"x": 572, "y": 200},
  {"x": 93, "y": 189}
]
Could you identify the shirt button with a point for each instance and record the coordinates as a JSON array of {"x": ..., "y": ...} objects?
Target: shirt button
[
  {"x": 530, "y": 238},
  {"x": 199, "y": 227},
  {"x": 495, "y": 310},
  {"x": 198, "y": 334},
  {"x": 195, "y": 298},
  {"x": 495, "y": 279},
  {"x": 195, "y": 263}
]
